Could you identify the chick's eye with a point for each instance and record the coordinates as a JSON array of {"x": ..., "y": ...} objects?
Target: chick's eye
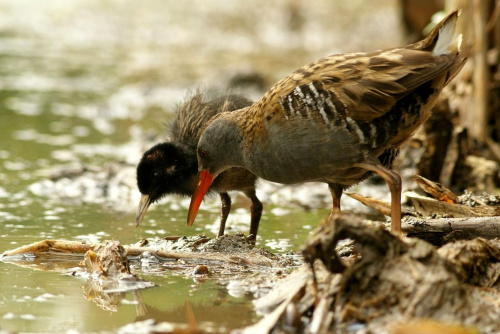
[{"x": 203, "y": 154}]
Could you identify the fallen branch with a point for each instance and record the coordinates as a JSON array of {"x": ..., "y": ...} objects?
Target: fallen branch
[
  {"x": 79, "y": 248},
  {"x": 290, "y": 285},
  {"x": 467, "y": 228},
  {"x": 45, "y": 246},
  {"x": 266, "y": 324},
  {"x": 436, "y": 190},
  {"x": 428, "y": 207}
]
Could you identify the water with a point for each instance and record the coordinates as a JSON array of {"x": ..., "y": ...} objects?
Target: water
[{"x": 90, "y": 83}]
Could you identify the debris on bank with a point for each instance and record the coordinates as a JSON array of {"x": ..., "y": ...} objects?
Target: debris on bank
[
  {"x": 387, "y": 283},
  {"x": 232, "y": 249}
]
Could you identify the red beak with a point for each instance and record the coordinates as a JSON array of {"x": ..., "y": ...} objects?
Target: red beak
[{"x": 205, "y": 179}]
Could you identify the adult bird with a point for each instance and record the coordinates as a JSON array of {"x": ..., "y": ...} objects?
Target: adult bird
[
  {"x": 337, "y": 120},
  {"x": 171, "y": 167}
]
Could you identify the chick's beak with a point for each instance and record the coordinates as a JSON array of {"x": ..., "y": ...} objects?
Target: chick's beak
[
  {"x": 144, "y": 204},
  {"x": 205, "y": 179}
]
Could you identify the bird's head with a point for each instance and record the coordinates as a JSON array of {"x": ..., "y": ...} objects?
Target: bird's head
[
  {"x": 166, "y": 168},
  {"x": 219, "y": 148}
]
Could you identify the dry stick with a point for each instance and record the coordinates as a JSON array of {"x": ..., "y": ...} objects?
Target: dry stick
[
  {"x": 494, "y": 17},
  {"x": 323, "y": 315},
  {"x": 428, "y": 206},
  {"x": 480, "y": 125},
  {"x": 486, "y": 227},
  {"x": 436, "y": 190},
  {"x": 44, "y": 246},
  {"x": 454, "y": 154},
  {"x": 495, "y": 31},
  {"x": 494, "y": 147},
  {"x": 79, "y": 248},
  {"x": 296, "y": 279},
  {"x": 266, "y": 324}
]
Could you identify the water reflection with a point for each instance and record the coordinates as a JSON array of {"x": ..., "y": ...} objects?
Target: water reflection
[{"x": 211, "y": 304}]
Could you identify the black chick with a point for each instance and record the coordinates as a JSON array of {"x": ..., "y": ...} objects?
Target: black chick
[{"x": 172, "y": 167}]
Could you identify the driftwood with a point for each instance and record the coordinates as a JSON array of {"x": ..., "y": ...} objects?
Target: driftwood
[
  {"x": 79, "y": 249},
  {"x": 58, "y": 246},
  {"x": 269, "y": 320},
  {"x": 290, "y": 286},
  {"x": 446, "y": 203},
  {"x": 428, "y": 207},
  {"x": 109, "y": 276},
  {"x": 436, "y": 190},
  {"x": 440, "y": 231}
]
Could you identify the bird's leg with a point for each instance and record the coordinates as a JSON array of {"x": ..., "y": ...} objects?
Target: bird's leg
[
  {"x": 393, "y": 180},
  {"x": 336, "y": 191},
  {"x": 226, "y": 207},
  {"x": 256, "y": 212}
]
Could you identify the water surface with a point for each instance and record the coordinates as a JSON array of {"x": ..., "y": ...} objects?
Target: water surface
[{"x": 90, "y": 84}]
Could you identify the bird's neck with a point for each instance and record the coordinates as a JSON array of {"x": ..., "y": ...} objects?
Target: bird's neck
[{"x": 249, "y": 121}]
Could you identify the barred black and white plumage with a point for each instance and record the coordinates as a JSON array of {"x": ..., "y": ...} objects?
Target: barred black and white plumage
[{"x": 336, "y": 120}]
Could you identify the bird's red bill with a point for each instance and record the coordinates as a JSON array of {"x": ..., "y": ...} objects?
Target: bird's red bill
[{"x": 205, "y": 179}]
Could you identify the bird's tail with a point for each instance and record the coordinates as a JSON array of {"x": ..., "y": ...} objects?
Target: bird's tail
[
  {"x": 448, "y": 43},
  {"x": 443, "y": 39}
]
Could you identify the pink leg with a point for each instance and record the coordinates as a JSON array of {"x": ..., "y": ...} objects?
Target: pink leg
[
  {"x": 393, "y": 180},
  {"x": 336, "y": 192}
]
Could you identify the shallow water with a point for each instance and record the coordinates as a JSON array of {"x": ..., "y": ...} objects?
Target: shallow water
[{"x": 90, "y": 83}]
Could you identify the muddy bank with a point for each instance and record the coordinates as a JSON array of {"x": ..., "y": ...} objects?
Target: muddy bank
[{"x": 389, "y": 285}]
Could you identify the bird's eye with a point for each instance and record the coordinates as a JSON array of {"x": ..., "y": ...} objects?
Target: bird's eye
[{"x": 203, "y": 154}]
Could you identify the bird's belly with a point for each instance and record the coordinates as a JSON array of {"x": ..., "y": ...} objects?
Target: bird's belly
[
  {"x": 298, "y": 160},
  {"x": 291, "y": 174}
]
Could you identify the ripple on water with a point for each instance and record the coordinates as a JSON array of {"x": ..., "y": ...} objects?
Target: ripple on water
[
  {"x": 7, "y": 216},
  {"x": 41, "y": 138},
  {"x": 3, "y": 193},
  {"x": 280, "y": 245},
  {"x": 23, "y": 106},
  {"x": 16, "y": 165},
  {"x": 92, "y": 237},
  {"x": 12, "y": 316},
  {"x": 64, "y": 155},
  {"x": 44, "y": 297},
  {"x": 4, "y": 154}
]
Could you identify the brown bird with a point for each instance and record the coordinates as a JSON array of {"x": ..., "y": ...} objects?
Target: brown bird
[
  {"x": 172, "y": 168},
  {"x": 337, "y": 120}
]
